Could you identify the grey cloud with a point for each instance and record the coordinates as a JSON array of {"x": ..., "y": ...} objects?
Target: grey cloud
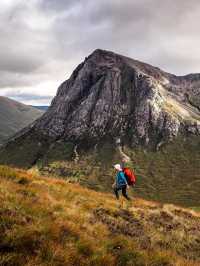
[
  {"x": 29, "y": 98},
  {"x": 140, "y": 29},
  {"x": 43, "y": 40},
  {"x": 56, "y": 6},
  {"x": 14, "y": 79}
]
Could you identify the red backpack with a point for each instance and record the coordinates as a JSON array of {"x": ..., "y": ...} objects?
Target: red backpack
[{"x": 130, "y": 177}]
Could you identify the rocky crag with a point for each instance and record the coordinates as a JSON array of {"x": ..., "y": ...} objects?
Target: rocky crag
[
  {"x": 112, "y": 95},
  {"x": 110, "y": 101}
]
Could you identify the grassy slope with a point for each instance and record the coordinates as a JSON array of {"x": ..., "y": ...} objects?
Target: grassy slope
[
  {"x": 171, "y": 175},
  {"x": 47, "y": 221},
  {"x": 15, "y": 116}
]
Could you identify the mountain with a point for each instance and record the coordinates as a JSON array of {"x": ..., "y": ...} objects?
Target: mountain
[
  {"x": 111, "y": 95},
  {"x": 42, "y": 107},
  {"x": 14, "y": 116},
  {"x": 47, "y": 221},
  {"x": 114, "y": 108}
]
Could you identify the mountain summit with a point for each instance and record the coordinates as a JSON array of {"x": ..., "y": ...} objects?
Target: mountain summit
[
  {"x": 112, "y": 95},
  {"x": 113, "y": 108}
]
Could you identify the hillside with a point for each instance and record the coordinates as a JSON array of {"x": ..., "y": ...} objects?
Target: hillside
[
  {"x": 14, "y": 116},
  {"x": 169, "y": 175},
  {"x": 114, "y": 109},
  {"x": 41, "y": 107},
  {"x": 46, "y": 221}
]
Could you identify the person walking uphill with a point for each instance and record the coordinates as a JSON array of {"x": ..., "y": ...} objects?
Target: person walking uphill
[{"x": 120, "y": 182}]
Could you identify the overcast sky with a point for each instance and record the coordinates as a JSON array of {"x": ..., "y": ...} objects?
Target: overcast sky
[{"x": 42, "y": 41}]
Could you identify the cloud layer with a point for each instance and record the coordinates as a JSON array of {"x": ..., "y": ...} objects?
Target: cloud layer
[{"x": 42, "y": 41}]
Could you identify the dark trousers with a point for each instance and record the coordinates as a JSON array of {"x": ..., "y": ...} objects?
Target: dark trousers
[{"x": 123, "y": 189}]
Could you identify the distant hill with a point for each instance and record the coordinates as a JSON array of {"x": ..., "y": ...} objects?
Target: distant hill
[
  {"x": 14, "y": 116},
  {"x": 43, "y": 107}
]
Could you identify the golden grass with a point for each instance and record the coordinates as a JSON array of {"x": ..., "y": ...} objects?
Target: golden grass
[{"x": 46, "y": 221}]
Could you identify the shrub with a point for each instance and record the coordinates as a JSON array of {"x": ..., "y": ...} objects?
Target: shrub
[
  {"x": 130, "y": 258},
  {"x": 84, "y": 247},
  {"x": 23, "y": 181},
  {"x": 160, "y": 259},
  {"x": 12, "y": 259},
  {"x": 23, "y": 240},
  {"x": 7, "y": 172}
]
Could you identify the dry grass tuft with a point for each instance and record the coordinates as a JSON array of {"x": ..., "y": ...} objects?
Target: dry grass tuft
[{"x": 47, "y": 221}]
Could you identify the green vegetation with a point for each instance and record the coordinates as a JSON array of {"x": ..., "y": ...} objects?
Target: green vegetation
[
  {"x": 170, "y": 175},
  {"x": 24, "y": 151},
  {"x": 58, "y": 151},
  {"x": 45, "y": 221}
]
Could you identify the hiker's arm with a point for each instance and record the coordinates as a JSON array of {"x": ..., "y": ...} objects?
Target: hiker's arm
[{"x": 114, "y": 184}]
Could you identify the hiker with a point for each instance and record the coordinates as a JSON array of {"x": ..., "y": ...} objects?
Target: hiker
[{"x": 120, "y": 182}]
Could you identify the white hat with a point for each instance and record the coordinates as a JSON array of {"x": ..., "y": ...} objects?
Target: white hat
[{"x": 118, "y": 167}]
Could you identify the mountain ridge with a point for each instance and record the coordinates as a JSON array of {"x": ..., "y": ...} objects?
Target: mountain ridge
[
  {"x": 164, "y": 103},
  {"x": 14, "y": 116},
  {"x": 101, "y": 77},
  {"x": 108, "y": 112}
]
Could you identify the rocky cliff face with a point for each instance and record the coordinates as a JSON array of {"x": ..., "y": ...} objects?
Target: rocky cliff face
[
  {"x": 112, "y": 95},
  {"x": 111, "y": 100}
]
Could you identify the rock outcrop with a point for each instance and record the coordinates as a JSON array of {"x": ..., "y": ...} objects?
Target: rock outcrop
[
  {"x": 109, "y": 95},
  {"x": 112, "y": 95}
]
